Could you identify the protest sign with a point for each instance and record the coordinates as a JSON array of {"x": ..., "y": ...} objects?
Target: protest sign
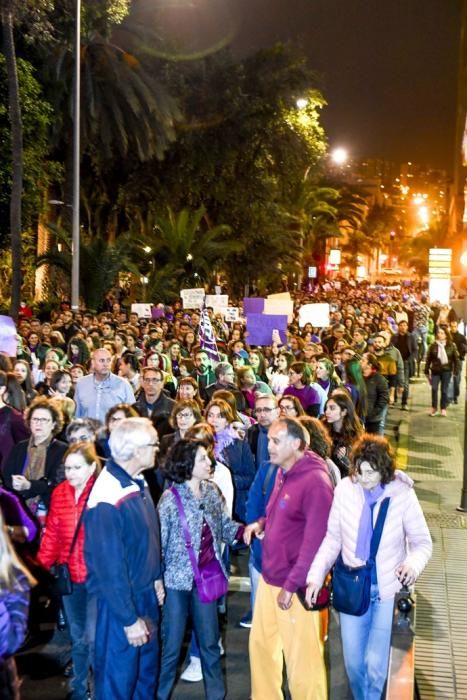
[
  {"x": 316, "y": 314},
  {"x": 143, "y": 310},
  {"x": 192, "y": 298},
  {"x": 217, "y": 301},
  {"x": 260, "y": 328},
  {"x": 254, "y": 305},
  {"x": 231, "y": 314},
  {"x": 8, "y": 342}
]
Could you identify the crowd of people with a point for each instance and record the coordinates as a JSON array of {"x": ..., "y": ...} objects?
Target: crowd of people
[{"x": 138, "y": 462}]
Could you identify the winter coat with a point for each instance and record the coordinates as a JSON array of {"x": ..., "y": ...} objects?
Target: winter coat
[
  {"x": 13, "y": 429},
  {"x": 405, "y": 539},
  {"x": 434, "y": 365},
  {"x": 238, "y": 457},
  {"x": 53, "y": 473},
  {"x": 60, "y": 528},
  {"x": 377, "y": 396}
]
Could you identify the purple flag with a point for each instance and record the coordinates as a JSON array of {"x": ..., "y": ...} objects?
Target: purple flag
[{"x": 207, "y": 339}]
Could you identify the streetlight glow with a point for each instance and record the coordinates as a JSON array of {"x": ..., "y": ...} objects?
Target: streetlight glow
[
  {"x": 302, "y": 103},
  {"x": 339, "y": 156}
]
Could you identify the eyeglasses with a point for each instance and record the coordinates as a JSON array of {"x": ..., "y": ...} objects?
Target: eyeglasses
[
  {"x": 287, "y": 408},
  {"x": 184, "y": 415},
  {"x": 41, "y": 421},
  {"x": 80, "y": 438},
  {"x": 264, "y": 410},
  {"x": 146, "y": 380}
]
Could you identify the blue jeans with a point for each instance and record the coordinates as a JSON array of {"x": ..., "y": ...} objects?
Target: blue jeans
[
  {"x": 442, "y": 379},
  {"x": 421, "y": 332},
  {"x": 366, "y": 642},
  {"x": 255, "y": 575},
  {"x": 80, "y": 614},
  {"x": 178, "y": 605}
]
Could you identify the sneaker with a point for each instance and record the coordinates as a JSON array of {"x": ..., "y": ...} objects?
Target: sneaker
[
  {"x": 193, "y": 672},
  {"x": 404, "y": 408},
  {"x": 246, "y": 620},
  {"x": 444, "y": 412},
  {"x": 433, "y": 413}
]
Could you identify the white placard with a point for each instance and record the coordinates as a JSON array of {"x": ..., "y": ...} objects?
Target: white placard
[
  {"x": 219, "y": 302},
  {"x": 192, "y": 298},
  {"x": 316, "y": 314},
  {"x": 143, "y": 310},
  {"x": 231, "y": 314},
  {"x": 278, "y": 307},
  {"x": 281, "y": 296}
]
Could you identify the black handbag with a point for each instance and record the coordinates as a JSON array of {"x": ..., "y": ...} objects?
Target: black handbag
[
  {"x": 351, "y": 586},
  {"x": 61, "y": 583}
]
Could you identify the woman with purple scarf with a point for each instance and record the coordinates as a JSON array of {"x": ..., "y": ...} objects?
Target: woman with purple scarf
[
  {"x": 403, "y": 553},
  {"x": 233, "y": 452}
]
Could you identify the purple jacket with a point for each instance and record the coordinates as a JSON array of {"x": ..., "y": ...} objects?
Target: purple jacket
[
  {"x": 296, "y": 520},
  {"x": 14, "y": 513}
]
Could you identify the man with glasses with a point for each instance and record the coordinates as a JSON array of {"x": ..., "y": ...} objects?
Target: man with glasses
[
  {"x": 123, "y": 559},
  {"x": 266, "y": 411},
  {"x": 225, "y": 380},
  {"x": 153, "y": 402},
  {"x": 97, "y": 392}
]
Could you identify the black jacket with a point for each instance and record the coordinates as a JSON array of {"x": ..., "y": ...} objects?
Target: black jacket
[
  {"x": 53, "y": 472},
  {"x": 160, "y": 413},
  {"x": 434, "y": 365},
  {"x": 377, "y": 396}
]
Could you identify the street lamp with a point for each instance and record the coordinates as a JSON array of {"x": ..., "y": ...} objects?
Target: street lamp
[
  {"x": 75, "y": 234},
  {"x": 302, "y": 103},
  {"x": 339, "y": 155}
]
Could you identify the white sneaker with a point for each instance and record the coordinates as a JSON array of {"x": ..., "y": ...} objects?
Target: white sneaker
[{"x": 193, "y": 672}]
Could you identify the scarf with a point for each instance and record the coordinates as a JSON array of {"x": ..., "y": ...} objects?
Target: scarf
[
  {"x": 365, "y": 527},
  {"x": 223, "y": 439},
  {"x": 442, "y": 355}
]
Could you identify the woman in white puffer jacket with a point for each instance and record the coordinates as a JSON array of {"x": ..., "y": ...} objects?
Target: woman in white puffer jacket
[{"x": 404, "y": 551}]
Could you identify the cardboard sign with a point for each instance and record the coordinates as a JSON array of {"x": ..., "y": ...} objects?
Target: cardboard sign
[
  {"x": 143, "y": 310},
  {"x": 253, "y": 305},
  {"x": 260, "y": 328},
  {"x": 217, "y": 301},
  {"x": 316, "y": 314},
  {"x": 8, "y": 342},
  {"x": 192, "y": 298},
  {"x": 279, "y": 307},
  {"x": 231, "y": 314}
]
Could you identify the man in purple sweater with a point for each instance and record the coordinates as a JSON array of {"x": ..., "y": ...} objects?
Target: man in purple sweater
[{"x": 293, "y": 529}]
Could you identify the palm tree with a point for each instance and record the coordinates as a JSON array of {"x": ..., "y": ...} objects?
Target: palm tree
[
  {"x": 188, "y": 246},
  {"x": 101, "y": 261},
  {"x": 7, "y": 20}
]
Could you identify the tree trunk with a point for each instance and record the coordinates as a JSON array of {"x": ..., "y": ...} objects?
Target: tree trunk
[{"x": 17, "y": 156}]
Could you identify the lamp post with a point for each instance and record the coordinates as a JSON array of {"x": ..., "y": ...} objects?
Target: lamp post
[{"x": 75, "y": 235}]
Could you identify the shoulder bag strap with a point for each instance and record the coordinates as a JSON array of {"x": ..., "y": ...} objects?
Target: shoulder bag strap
[
  {"x": 378, "y": 531},
  {"x": 269, "y": 474},
  {"x": 186, "y": 531},
  {"x": 78, "y": 525}
]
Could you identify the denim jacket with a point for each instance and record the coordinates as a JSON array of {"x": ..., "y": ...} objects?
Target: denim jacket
[{"x": 178, "y": 573}]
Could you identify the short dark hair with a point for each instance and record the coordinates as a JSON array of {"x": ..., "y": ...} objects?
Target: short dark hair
[
  {"x": 193, "y": 406},
  {"x": 372, "y": 361},
  {"x": 55, "y": 413},
  {"x": 180, "y": 460},
  {"x": 376, "y": 450},
  {"x": 130, "y": 359},
  {"x": 294, "y": 428}
]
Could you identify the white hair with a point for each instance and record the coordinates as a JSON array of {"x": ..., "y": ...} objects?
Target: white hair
[{"x": 129, "y": 434}]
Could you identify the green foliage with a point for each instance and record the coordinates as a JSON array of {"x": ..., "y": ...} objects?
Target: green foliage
[
  {"x": 36, "y": 115},
  {"x": 100, "y": 263}
]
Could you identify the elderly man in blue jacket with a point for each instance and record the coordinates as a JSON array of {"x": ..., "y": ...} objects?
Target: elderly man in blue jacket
[{"x": 122, "y": 550}]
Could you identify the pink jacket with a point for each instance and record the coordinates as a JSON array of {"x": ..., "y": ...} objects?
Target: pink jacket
[{"x": 405, "y": 537}]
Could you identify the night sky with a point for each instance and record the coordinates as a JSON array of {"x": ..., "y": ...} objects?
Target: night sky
[{"x": 387, "y": 68}]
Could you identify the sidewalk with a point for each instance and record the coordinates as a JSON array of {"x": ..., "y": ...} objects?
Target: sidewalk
[{"x": 432, "y": 451}]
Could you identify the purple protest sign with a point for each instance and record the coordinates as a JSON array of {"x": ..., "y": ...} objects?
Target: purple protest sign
[
  {"x": 253, "y": 305},
  {"x": 158, "y": 311},
  {"x": 8, "y": 342},
  {"x": 260, "y": 328}
]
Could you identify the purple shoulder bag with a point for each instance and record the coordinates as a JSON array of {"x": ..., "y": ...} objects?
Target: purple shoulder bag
[{"x": 210, "y": 581}]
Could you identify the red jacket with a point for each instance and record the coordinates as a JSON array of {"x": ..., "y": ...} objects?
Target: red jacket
[{"x": 62, "y": 520}]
